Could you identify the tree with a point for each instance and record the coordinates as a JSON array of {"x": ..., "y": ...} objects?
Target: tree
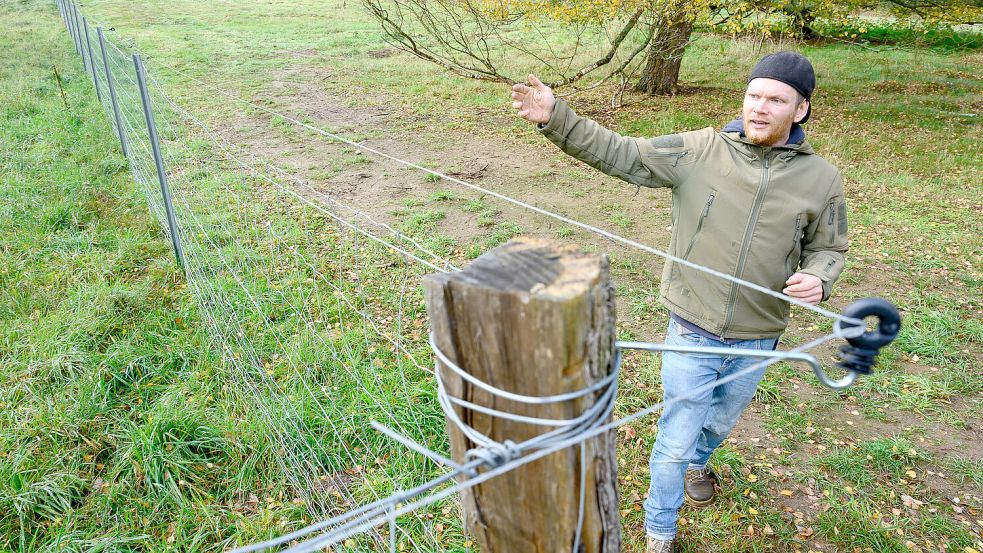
[
  {"x": 670, "y": 31},
  {"x": 499, "y": 39}
]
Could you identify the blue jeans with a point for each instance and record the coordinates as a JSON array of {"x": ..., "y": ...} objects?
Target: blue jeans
[{"x": 689, "y": 430}]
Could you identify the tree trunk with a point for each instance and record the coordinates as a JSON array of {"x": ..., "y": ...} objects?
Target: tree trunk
[{"x": 661, "y": 72}]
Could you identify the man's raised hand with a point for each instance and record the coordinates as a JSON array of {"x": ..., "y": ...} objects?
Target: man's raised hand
[{"x": 534, "y": 101}]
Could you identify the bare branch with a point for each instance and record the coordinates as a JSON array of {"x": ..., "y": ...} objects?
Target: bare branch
[{"x": 607, "y": 57}]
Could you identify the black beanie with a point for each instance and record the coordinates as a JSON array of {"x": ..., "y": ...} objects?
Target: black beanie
[{"x": 790, "y": 68}]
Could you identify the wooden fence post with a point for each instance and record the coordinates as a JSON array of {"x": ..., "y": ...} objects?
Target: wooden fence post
[{"x": 533, "y": 318}]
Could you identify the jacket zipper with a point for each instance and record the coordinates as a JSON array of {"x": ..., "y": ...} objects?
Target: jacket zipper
[
  {"x": 676, "y": 156},
  {"x": 795, "y": 238},
  {"x": 742, "y": 258},
  {"x": 699, "y": 226}
]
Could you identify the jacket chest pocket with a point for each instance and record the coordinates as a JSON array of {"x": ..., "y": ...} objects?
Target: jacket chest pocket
[
  {"x": 792, "y": 259},
  {"x": 672, "y": 158},
  {"x": 699, "y": 226}
]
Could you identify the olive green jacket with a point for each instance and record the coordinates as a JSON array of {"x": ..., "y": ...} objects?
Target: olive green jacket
[{"x": 757, "y": 213}]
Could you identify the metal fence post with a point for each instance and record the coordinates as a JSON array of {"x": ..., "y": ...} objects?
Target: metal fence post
[
  {"x": 112, "y": 93},
  {"x": 64, "y": 14},
  {"x": 78, "y": 35},
  {"x": 86, "y": 62},
  {"x": 70, "y": 19},
  {"x": 92, "y": 60},
  {"x": 61, "y": 11},
  {"x": 158, "y": 160}
]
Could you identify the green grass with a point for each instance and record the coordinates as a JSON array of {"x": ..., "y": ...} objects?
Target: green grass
[
  {"x": 863, "y": 465},
  {"x": 925, "y": 36},
  {"x": 442, "y": 196},
  {"x": 100, "y": 342},
  {"x": 476, "y": 205}
]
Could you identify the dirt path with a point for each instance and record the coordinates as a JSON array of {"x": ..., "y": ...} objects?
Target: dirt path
[{"x": 534, "y": 173}]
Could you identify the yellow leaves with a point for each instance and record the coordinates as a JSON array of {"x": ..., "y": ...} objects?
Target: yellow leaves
[
  {"x": 571, "y": 11},
  {"x": 752, "y": 477},
  {"x": 752, "y": 511},
  {"x": 786, "y": 493}
]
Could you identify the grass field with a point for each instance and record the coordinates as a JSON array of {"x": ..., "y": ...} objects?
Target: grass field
[{"x": 128, "y": 416}]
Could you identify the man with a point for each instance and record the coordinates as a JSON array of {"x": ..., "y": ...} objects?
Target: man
[{"x": 753, "y": 201}]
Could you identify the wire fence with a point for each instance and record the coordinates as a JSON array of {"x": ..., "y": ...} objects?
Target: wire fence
[
  {"x": 315, "y": 305},
  {"x": 318, "y": 310}
]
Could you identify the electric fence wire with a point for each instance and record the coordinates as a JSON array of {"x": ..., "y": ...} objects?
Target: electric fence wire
[
  {"x": 376, "y": 514},
  {"x": 227, "y": 147},
  {"x": 325, "y": 346},
  {"x": 590, "y": 228}
]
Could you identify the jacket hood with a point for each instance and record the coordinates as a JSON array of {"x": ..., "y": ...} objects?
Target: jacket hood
[{"x": 796, "y": 137}]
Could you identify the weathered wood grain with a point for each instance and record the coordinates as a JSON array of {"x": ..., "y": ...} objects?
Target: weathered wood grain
[{"x": 537, "y": 319}]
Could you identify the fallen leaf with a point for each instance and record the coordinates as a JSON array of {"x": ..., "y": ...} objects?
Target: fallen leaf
[{"x": 910, "y": 502}]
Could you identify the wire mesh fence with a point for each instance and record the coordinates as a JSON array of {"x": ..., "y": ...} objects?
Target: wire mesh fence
[{"x": 316, "y": 306}]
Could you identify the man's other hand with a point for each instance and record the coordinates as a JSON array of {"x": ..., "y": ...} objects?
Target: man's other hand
[
  {"x": 534, "y": 101},
  {"x": 807, "y": 288}
]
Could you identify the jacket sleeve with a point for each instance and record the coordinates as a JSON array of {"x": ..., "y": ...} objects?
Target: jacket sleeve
[
  {"x": 655, "y": 162},
  {"x": 826, "y": 239}
]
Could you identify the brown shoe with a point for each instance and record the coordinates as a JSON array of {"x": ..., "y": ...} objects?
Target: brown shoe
[
  {"x": 653, "y": 545},
  {"x": 699, "y": 487}
]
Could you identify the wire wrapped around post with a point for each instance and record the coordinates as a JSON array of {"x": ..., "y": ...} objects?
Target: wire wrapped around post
[{"x": 524, "y": 339}]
